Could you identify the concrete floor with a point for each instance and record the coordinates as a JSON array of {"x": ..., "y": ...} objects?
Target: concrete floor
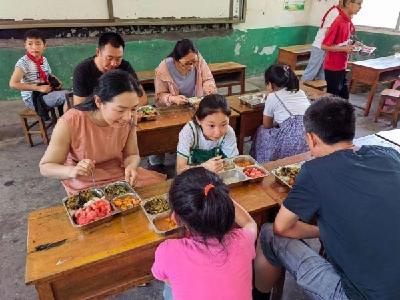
[{"x": 23, "y": 189}]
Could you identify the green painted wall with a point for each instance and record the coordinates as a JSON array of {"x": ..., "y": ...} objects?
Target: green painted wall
[{"x": 256, "y": 48}]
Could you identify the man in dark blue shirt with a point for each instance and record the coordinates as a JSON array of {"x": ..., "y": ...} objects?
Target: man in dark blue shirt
[{"x": 353, "y": 194}]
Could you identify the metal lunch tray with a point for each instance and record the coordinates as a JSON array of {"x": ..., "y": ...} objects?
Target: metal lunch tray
[
  {"x": 70, "y": 213},
  {"x": 238, "y": 171},
  {"x": 194, "y": 101},
  {"x": 253, "y": 100},
  {"x": 285, "y": 179},
  {"x": 153, "y": 217},
  {"x": 149, "y": 118}
]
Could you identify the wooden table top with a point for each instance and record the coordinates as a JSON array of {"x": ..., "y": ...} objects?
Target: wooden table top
[
  {"x": 149, "y": 75},
  {"x": 380, "y": 63},
  {"x": 298, "y": 49},
  {"x": 171, "y": 116},
  {"x": 391, "y": 135},
  {"x": 122, "y": 234}
]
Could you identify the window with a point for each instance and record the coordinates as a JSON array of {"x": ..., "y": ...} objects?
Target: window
[{"x": 382, "y": 13}]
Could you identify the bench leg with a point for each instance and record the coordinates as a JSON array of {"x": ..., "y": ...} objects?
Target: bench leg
[
  {"x": 230, "y": 90},
  {"x": 395, "y": 118},
  {"x": 380, "y": 108},
  {"x": 25, "y": 128}
]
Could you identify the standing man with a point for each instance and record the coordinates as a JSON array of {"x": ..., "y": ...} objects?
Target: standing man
[
  {"x": 351, "y": 194},
  {"x": 109, "y": 53}
]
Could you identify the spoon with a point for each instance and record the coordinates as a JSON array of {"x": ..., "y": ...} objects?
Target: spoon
[{"x": 93, "y": 179}]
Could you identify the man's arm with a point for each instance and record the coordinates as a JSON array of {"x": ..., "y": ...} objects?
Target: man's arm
[{"x": 287, "y": 224}]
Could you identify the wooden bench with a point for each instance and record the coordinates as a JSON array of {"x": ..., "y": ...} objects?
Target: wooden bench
[
  {"x": 316, "y": 84},
  {"x": 389, "y": 94},
  {"x": 27, "y": 115},
  {"x": 226, "y": 74}
]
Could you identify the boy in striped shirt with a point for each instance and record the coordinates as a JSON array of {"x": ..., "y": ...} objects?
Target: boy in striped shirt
[{"x": 32, "y": 72}]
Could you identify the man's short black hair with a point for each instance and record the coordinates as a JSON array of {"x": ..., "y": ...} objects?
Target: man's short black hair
[
  {"x": 34, "y": 34},
  {"x": 112, "y": 38},
  {"x": 332, "y": 119}
]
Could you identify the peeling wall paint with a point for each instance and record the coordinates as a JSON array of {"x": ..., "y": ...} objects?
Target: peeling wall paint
[{"x": 267, "y": 50}]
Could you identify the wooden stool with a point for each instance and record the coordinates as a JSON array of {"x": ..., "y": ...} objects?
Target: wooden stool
[
  {"x": 389, "y": 94},
  {"x": 316, "y": 84},
  {"x": 27, "y": 114}
]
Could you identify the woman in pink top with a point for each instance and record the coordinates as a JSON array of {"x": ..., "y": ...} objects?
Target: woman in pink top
[
  {"x": 214, "y": 260},
  {"x": 97, "y": 138},
  {"x": 183, "y": 74}
]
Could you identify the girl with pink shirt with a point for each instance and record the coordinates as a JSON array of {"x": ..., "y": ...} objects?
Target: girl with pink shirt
[{"x": 214, "y": 259}]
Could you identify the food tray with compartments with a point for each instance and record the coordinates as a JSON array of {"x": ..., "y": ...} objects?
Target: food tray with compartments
[
  {"x": 147, "y": 113},
  {"x": 194, "y": 101},
  {"x": 121, "y": 192},
  {"x": 158, "y": 213},
  {"x": 256, "y": 100},
  {"x": 286, "y": 175},
  {"x": 240, "y": 169}
]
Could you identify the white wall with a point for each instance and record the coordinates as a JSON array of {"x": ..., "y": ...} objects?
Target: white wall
[
  {"x": 132, "y": 9},
  {"x": 53, "y": 9}
]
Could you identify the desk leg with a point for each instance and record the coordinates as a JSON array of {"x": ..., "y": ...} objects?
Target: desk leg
[
  {"x": 371, "y": 95},
  {"x": 45, "y": 291},
  {"x": 242, "y": 82}
]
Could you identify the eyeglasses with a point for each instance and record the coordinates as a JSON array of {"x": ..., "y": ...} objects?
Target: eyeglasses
[{"x": 189, "y": 63}]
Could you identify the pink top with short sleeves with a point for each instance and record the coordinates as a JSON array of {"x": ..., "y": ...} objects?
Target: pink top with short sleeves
[{"x": 196, "y": 272}]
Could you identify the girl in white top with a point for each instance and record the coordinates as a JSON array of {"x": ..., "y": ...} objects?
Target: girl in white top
[
  {"x": 282, "y": 132},
  {"x": 208, "y": 138}
]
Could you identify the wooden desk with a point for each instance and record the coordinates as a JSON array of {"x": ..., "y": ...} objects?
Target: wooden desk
[
  {"x": 294, "y": 56},
  {"x": 110, "y": 258},
  {"x": 372, "y": 72},
  {"x": 250, "y": 119},
  {"x": 226, "y": 74},
  {"x": 161, "y": 135}
]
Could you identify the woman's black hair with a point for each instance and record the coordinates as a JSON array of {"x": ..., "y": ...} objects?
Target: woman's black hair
[
  {"x": 282, "y": 76},
  {"x": 183, "y": 48},
  {"x": 211, "y": 104},
  {"x": 111, "y": 84},
  {"x": 206, "y": 214}
]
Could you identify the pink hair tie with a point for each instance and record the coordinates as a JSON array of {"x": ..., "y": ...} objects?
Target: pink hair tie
[{"x": 207, "y": 188}]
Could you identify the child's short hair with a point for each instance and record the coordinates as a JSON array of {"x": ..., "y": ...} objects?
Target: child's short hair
[
  {"x": 112, "y": 38},
  {"x": 206, "y": 210},
  {"x": 211, "y": 104},
  {"x": 282, "y": 76},
  {"x": 332, "y": 119},
  {"x": 34, "y": 34}
]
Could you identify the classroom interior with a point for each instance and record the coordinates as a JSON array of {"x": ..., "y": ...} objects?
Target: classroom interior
[{"x": 250, "y": 33}]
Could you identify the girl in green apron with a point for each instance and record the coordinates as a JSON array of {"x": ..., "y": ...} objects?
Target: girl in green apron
[{"x": 208, "y": 138}]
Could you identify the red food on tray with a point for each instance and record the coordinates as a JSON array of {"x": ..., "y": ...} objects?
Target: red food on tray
[
  {"x": 253, "y": 172},
  {"x": 95, "y": 210}
]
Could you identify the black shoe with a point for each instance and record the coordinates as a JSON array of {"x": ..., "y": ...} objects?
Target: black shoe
[{"x": 257, "y": 295}]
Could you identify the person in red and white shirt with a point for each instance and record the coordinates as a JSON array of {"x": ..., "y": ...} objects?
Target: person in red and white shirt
[{"x": 338, "y": 46}]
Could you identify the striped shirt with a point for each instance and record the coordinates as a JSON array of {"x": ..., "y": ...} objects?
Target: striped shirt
[{"x": 31, "y": 75}]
